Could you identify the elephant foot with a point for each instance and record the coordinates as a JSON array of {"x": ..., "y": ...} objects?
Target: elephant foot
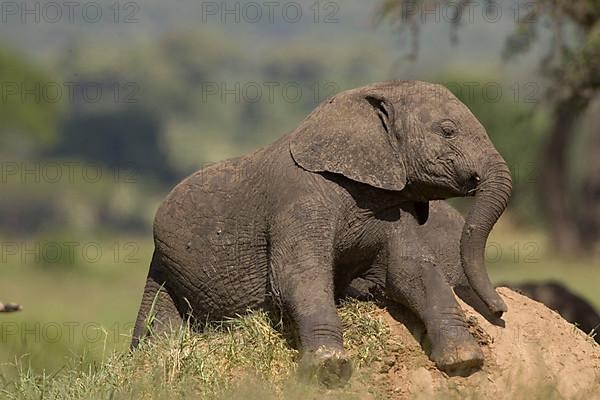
[
  {"x": 330, "y": 367},
  {"x": 457, "y": 357}
]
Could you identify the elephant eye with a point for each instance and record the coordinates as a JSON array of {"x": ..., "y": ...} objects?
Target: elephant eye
[{"x": 448, "y": 128}]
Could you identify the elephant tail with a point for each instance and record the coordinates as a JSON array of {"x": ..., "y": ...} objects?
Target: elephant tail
[{"x": 157, "y": 309}]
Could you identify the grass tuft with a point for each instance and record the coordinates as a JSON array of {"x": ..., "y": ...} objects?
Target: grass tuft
[{"x": 245, "y": 356}]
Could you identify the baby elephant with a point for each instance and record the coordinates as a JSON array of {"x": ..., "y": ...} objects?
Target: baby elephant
[{"x": 291, "y": 225}]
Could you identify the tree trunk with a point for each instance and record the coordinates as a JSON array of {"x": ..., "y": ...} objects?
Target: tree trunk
[
  {"x": 559, "y": 208},
  {"x": 589, "y": 218}
]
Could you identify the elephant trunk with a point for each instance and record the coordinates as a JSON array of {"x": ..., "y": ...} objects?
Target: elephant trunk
[{"x": 490, "y": 202}]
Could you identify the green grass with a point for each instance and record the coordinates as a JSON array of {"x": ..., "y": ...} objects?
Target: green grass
[
  {"x": 240, "y": 358},
  {"x": 71, "y": 308}
]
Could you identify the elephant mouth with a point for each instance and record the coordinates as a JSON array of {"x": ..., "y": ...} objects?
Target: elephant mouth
[
  {"x": 463, "y": 189},
  {"x": 471, "y": 185}
]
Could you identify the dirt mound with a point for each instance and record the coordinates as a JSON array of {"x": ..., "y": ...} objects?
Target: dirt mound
[{"x": 536, "y": 354}]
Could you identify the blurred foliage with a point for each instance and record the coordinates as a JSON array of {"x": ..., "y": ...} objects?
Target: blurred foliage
[
  {"x": 572, "y": 65},
  {"x": 214, "y": 100},
  {"x": 26, "y": 110},
  {"x": 572, "y": 60},
  {"x": 89, "y": 202},
  {"x": 128, "y": 139}
]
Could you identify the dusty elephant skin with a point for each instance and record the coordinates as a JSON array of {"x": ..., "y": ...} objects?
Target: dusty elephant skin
[
  {"x": 437, "y": 243},
  {"x": 293, "y": 223}
]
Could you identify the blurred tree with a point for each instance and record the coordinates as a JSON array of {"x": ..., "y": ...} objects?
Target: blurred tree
[
  {"x": 127, "y": 139},
  {"x": 572, "y": 66},
  {"x": 161, "y": 84},
  {"x": 590, "y": 195},
  {"x": 216, "y": 98},
  {"x": 28, "y": 106}
]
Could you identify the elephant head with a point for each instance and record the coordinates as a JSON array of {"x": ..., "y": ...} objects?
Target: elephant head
[{"x": 420, "y": 140}]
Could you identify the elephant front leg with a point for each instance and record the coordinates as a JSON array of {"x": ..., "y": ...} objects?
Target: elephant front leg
[
  {"x": 414, "y": 281},
  {"x": 307, "y": 295},
  {"x": 320, "y": 335}
]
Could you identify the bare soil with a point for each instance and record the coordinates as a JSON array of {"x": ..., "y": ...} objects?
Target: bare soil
[{"x": 532, "y": 353}]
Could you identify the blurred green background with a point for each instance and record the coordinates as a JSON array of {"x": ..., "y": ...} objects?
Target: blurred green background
[{"x": 99, "y": 119}]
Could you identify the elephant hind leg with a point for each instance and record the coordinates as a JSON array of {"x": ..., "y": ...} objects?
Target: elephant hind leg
[{"x": 158, "y": 312}]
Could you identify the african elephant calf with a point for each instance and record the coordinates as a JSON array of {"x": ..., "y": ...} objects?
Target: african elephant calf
[{"x": 293, "y": 223}]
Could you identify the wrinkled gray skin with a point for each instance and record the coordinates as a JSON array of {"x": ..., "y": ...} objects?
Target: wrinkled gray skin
[
  {"x": 293, "y": 223},
  {"x": 435, "y": 245}
]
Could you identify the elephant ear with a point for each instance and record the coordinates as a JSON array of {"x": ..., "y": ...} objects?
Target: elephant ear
[{"x": 354, "y": 135}]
